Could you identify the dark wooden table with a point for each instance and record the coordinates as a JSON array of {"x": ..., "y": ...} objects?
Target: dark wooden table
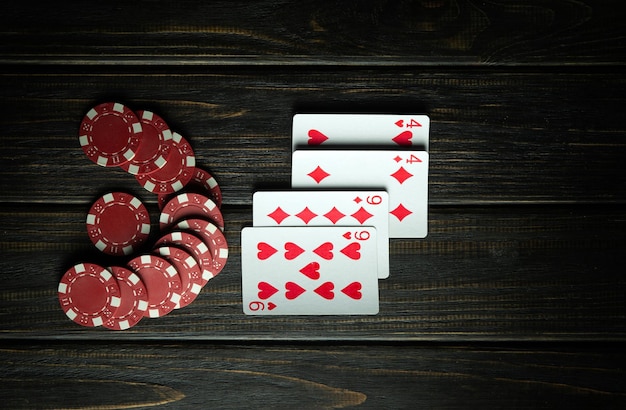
[{"x": 515, "y": 299}]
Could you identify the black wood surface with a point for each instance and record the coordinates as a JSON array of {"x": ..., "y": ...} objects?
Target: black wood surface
[{"x": 516, "y": 299}]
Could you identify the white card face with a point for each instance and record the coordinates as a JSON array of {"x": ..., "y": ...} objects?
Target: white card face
[
  {"x": 326, "y": 130},
  {"x": 403, "y": 174},
  {"x": 311, "y": 270},
  {"x": 327, "y": 208}
]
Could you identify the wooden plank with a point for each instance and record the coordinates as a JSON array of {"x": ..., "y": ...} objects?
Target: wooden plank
[
  {"x": 374, "y": 33},
  {"x": 497, "y": 137},
  {"x": 484, "y": 273},
  {"x": 189, "y": 375}
]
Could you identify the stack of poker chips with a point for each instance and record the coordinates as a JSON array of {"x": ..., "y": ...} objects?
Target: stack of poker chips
[{"x": 190, "y": 250}]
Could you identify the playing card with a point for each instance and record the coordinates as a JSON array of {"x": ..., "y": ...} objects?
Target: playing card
[
  {"x": 325, "y": 208},
  {"x": 311, "y": 270},
  {"x": 403, "y": 174},
  {"x": 327, "y": 130}
]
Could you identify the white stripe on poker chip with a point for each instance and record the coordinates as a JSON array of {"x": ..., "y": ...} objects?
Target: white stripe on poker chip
[
  {"x": 118, "y": 107},
  {"x": 171, "y": 270},
  {"x": 195, "y": 289},
  {"x": 102, "y": 161},
  {"x": 190, "y": 261},
  {"x": 136, "y": 203},
  {"x": 129, "y": 154},
  {"x": 101, "y": 245},
  {"x": 134, "y": 279},
  {"x": 84, "y": 140},
  {"x": 153, "y": 312},
  {"x": 175, "y": 298},
  {"x": 62, "y": 288},
  {"x": 105, "y": 274},
  {"x": 211, "y": 182},
  {"x": 124, "y": 324},
  {"x": 127, "y": 250},
  {"x": 97, "y": 321},
  {"x": 191, "y": 161},
  {"x": 160, "y": 162},
  {"x": 108, "y": 198},
  {"x": 167, "y": 135},
  {"x": 202, "y": 248},
  {"x": 71, "y": 314},
  {"x": 147, "y": 115},
  {"x": 137, "y": 127},
  {"x": 177, "y": 236},
  {"x": 92, "y": 113},
  {"x": 91, "y": 219},
  {"x": 115, "y": 301},
  {"x": 145, "y": 259},
  {"x": 143, "y": 305},
  {"x": 223, "y": 253},
  {"x": 164, "y": 218},
  {"x": 149, "y": 186},
  {"x": 145, "y": 228}
]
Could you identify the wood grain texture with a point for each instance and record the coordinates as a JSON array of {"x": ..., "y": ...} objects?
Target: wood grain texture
[
  {"x": 496, "y": 137},
  {"x": 514, "y": 300},
  {"x": 483, "y": 274},
  {"x": 182, "y": 376},
  {"x": 375, "y": 33}
]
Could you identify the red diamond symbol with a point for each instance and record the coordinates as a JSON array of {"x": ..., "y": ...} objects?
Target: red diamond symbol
[
  {"x": 361, "y": 215},
  {"x": 400, "y": 212},
  {"x": 398, "y": 158},
  {"x": 278, "y": 215},
  {"x": 402, "y": 175},
  {"x": 334, "y": 215},
  {"x": 357, "y": 200},
  {"x": 318, "y": 174},
  {"x": 306, "y": 215}
]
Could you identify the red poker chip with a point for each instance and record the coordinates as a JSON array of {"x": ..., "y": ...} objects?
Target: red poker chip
[
  {"x": 162, "y": 282},
  {"x": 110, "y": 134},
  {"x": 154, "y": 147},
  {"x": 190, "y": 205},
  {"x": 212, "y": 237},
  {"x": 89, "y": 294},
  {"x": 188, "y": 269},
  {"x": 134, "y": 300},
  {"x": 118, "y": 223},
  {"x": 202, "y": 183},
  {"x": 176, "y": 173},
  {"x": 194, "y": 245}
]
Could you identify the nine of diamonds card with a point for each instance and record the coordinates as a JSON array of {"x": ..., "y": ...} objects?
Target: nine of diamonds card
[
  {"x": 312, "y": 270},
  {"x": 327, "y": 208}
]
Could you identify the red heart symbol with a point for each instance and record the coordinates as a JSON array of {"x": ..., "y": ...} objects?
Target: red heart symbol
[
  {"x": 325, "y": 250},
  {"x": 353, "y": 290},
  {"x": 292, "y": 250},
  {"x": 325, "y": 290},
  {"x": 311, "y": 270},
  {"x": 316, "y": 137},
  {"x": 352, "y": 251},
  {"x": 270, "y": 306},
  {"x": 293, "y": 290},
  {"x": 265, "y": 250},
  {"x": 347, "y": 235},
  {"x": 266, "y": 290},
  {"x": 404, "y": 138},
  {"x": 399, "y": 123}
]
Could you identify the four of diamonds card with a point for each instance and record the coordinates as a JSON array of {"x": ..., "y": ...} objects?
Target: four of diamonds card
[{"x": 320, "y": 248}]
